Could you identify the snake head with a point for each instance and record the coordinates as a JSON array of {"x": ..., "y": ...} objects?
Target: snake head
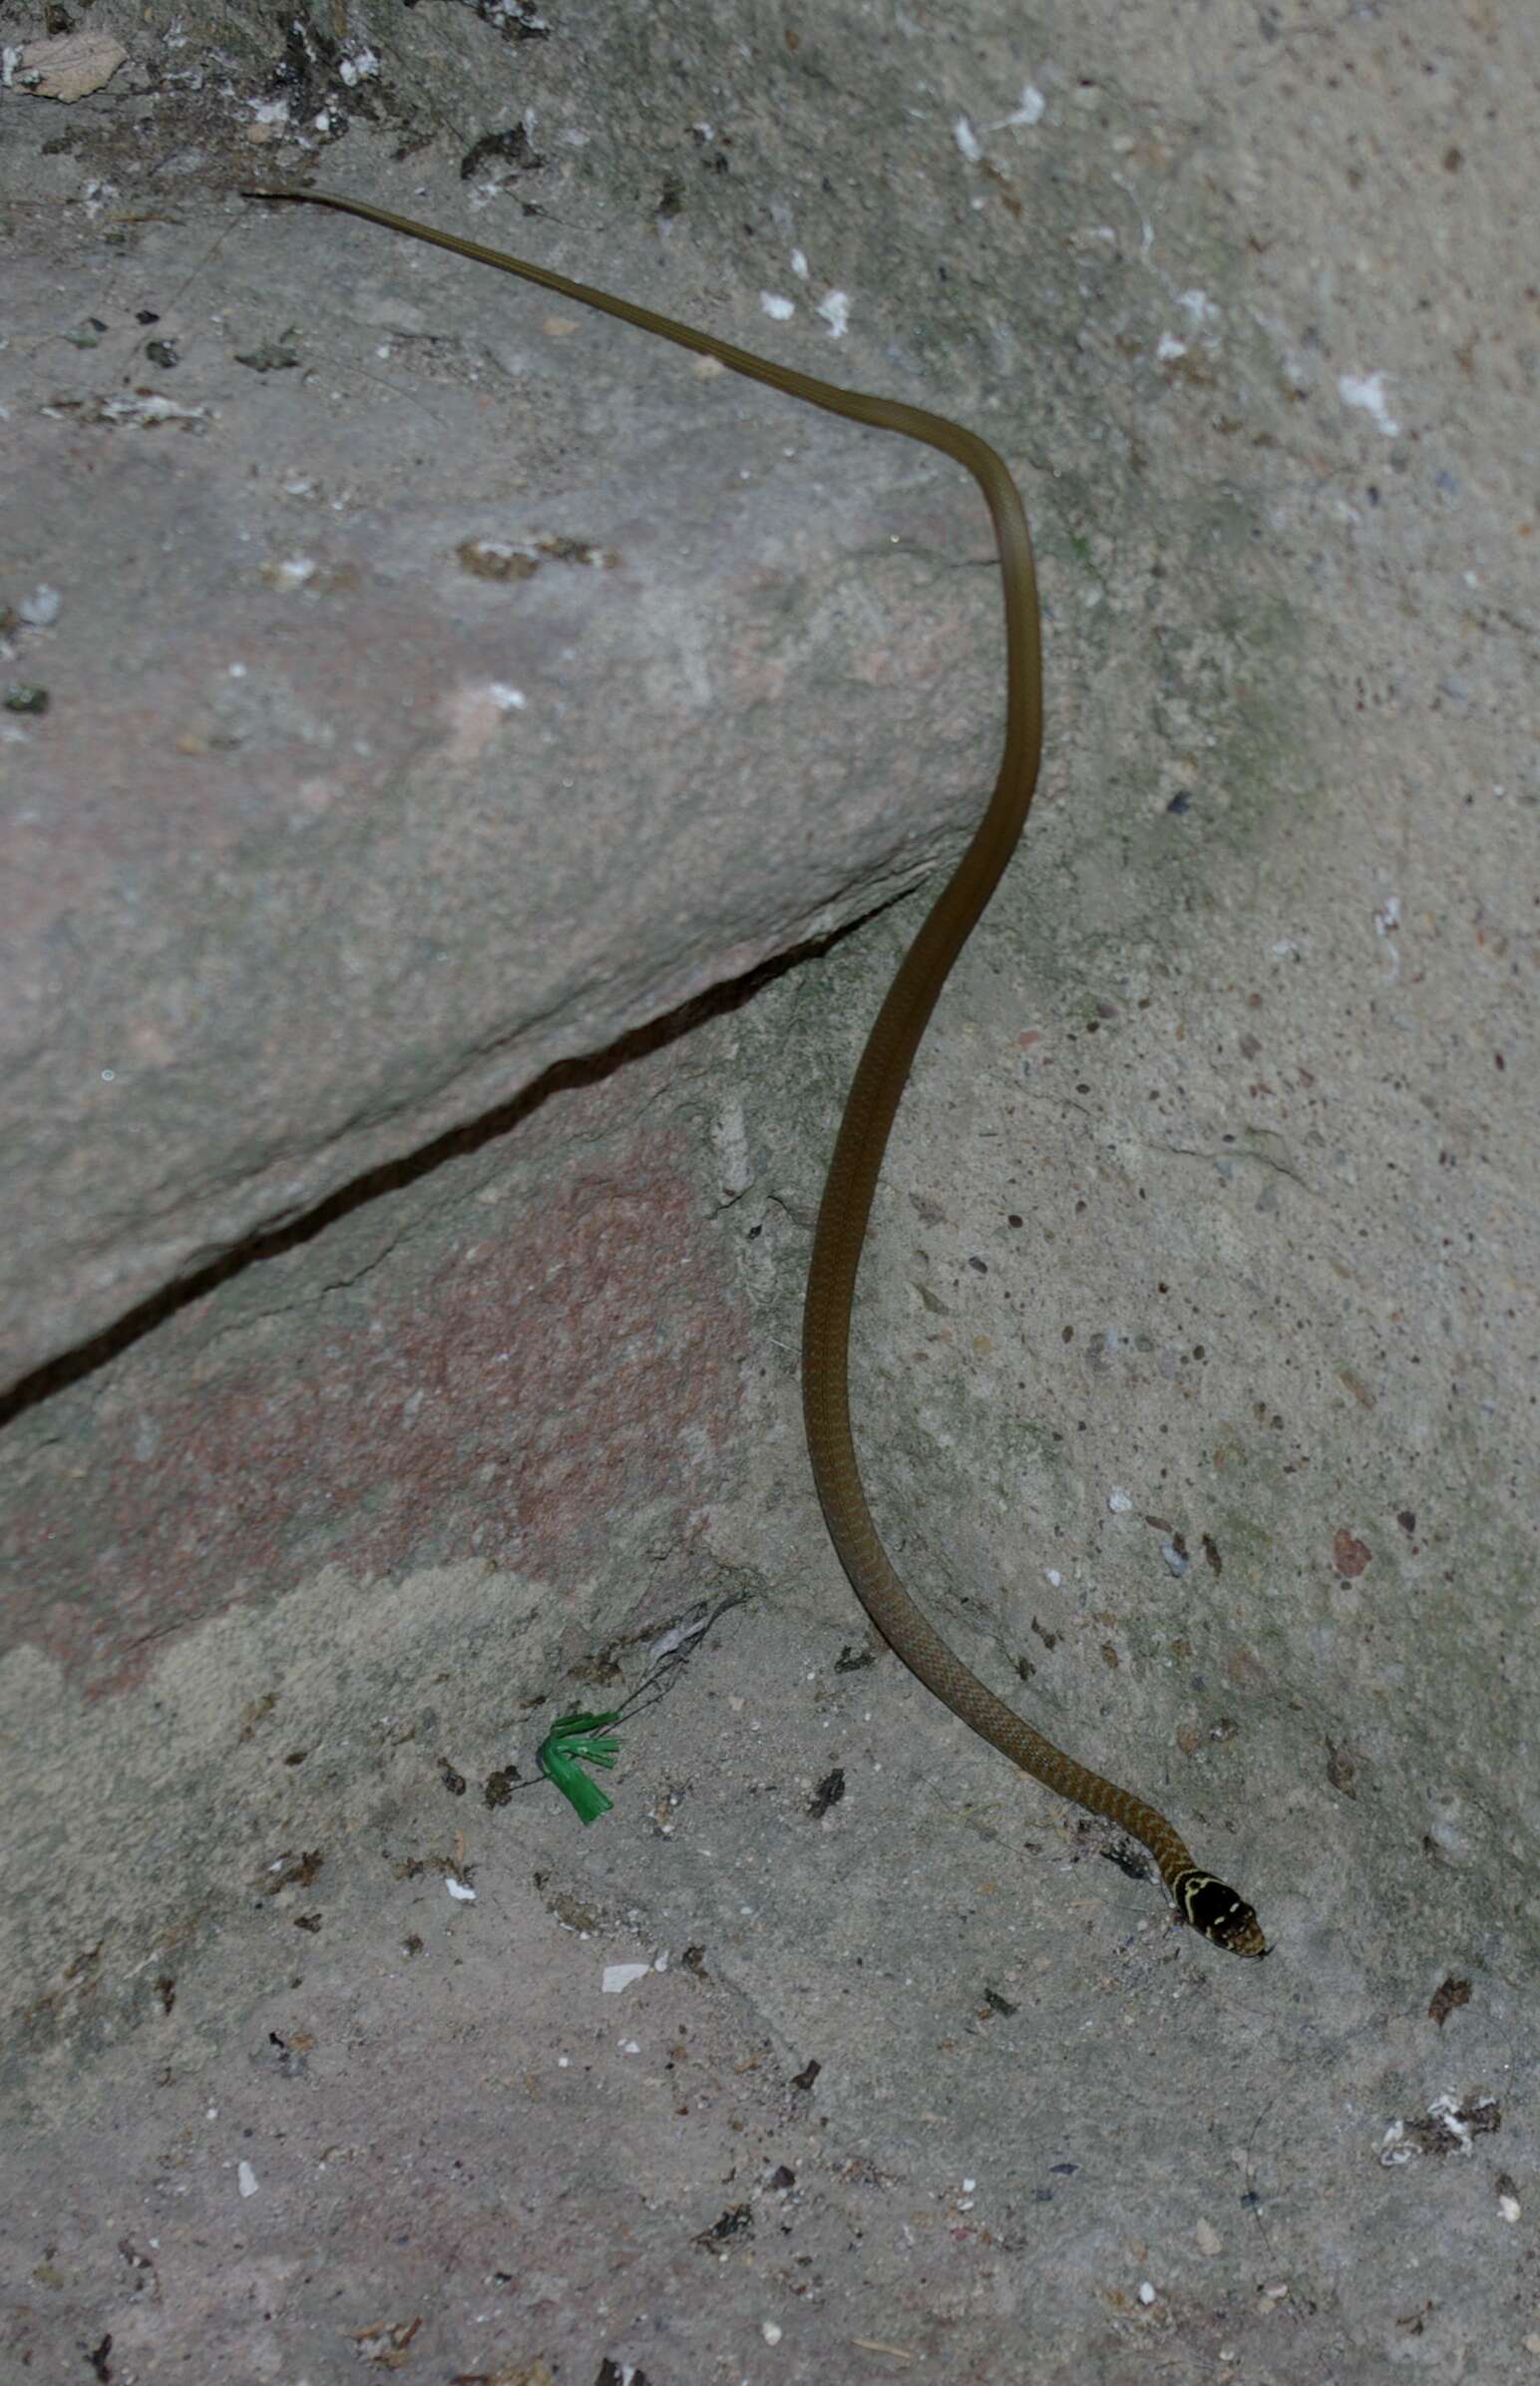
[{"x": 1218, "y": 1912}]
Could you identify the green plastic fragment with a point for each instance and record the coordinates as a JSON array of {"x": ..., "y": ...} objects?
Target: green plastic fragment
[{"x": 574, "y": 1740}]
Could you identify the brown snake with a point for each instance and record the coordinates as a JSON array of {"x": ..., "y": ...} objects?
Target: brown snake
[{"x": 1212, "y": 1908}]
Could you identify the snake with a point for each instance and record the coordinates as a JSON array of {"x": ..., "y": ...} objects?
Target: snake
[{"x": 1216, "y": 1911}]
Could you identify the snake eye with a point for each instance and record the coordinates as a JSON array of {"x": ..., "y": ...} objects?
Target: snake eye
[{"x": 1218, "y": 1913}]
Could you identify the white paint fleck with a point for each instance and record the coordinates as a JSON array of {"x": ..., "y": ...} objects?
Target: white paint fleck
[
  {"x": 966, "y": 139},
  {"x": 245, "y": 2178},
  {"x": 835, "y": 310},
  {"x": 731, "y": 1142},
  {"x": 1029, "y": 111},
  {"x": 1366, "y": 391},
  {"x": 145, "y": 407},
  {"x": 40, "y": 609},
  {"x": 619, "y": 1976},
  {"x": 460, "y": 1891},
  {"x": 496, "y": 552},
  {"x": 799, "y": 265},
  {"x": 769, "y": 2331},
  {"x": 1119, "y": 1501},
  {"x": 1169, "y": 346},
  {"x": 506, "y": 699},
  {"x": 1146, "y": 2291},
  {"x": 780, "y": 310},
  {"x": 1051, "y": 1575}
]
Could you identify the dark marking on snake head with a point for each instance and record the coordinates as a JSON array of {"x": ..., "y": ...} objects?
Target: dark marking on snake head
[{"x": 1214, "y": 1911}]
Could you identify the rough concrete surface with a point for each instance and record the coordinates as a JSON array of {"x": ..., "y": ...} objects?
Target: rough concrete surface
[
  {"x": 320, "y": 624},
  {"x": 413, "y": 1350}
]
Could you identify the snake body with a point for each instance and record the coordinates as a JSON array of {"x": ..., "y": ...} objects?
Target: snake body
[{"x": 1212, "y": 1908}]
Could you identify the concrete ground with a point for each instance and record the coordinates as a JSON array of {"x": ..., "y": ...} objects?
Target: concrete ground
[{"x": 1196, "y": 1356}]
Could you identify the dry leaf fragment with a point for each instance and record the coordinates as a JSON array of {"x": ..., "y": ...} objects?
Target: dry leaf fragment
[{"x": 68, "y": 66}]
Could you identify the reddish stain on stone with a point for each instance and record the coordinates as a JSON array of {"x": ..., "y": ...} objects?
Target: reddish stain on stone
[
  {"x": 1349, "y": 1554},
  {"x": 580, "y": 1359}
]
